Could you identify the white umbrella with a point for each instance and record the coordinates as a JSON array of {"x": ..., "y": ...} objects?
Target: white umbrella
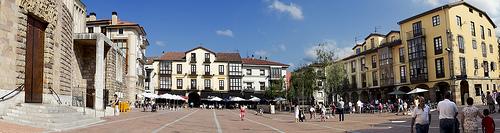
[
  {"x": 177, "y": 97},
  {"x": 254, "y": 99},
  {"x": 149, "y": 95},
  {"x": 417, "y": 90},
  {"x": 279, "y": 99},
  {"x": 215, "y": 99},
  {"x": 166, "y": 96},
  {"x": 236, "y": 99}
]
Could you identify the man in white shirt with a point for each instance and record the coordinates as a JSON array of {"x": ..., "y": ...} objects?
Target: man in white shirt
[
  {"x": 341, "y": 110},
  {"x": 360, "y": 105},
  {"x": 448, "y": 111}
]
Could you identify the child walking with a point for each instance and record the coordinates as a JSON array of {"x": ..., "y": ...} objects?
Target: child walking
[{"x": 488, "y": 123}]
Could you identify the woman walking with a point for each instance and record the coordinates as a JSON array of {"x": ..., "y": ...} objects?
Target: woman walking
[
  {"x": 469, "y": 114},
  {"x": 297, "y": 113},
  {"x": 242, "y": 112},
  {"x": 421, "y": 116}
]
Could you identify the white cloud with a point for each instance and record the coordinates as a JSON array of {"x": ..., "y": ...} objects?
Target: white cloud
[
  {"x": 292, "y": 9},
  {"x": 160, "y": 43},
  {"x": 261, "y": 53},
  {"x": 491, "y": 7},
  {"x": 340, "y": 52},
  {"x": 282, "y": 47},
  {"x": 226, "y": 32}
]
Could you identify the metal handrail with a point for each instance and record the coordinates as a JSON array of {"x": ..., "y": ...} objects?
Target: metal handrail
[
  {"x": 54, "y": 92},
  {"x": 20, "y": 88}
]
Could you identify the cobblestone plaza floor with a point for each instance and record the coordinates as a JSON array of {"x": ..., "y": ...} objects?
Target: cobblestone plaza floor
[{"x": 219, "y": 121}]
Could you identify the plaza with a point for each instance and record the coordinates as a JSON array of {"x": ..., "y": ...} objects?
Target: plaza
[{"x": 218, "y": 121}]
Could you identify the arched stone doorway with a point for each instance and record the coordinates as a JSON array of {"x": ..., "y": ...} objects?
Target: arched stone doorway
[
  {"x": 354, "y": 97},
  {"x": 194, "y": 98},
  {"x": 441, "y": 88},
  {"x": 464, "y": 91},
  {"x": 364, "y": 96}
]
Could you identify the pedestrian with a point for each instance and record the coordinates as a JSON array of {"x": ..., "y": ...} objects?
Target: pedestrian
[
  {"x": 421, "y": 116},
  {"x": 323, "y": 112},
  {"x": 400, "y": 106},
  {"x": 302, "y": 117},
  {"x": 116, "y": 103},
  {"x": 488, "y": 124},
  {"x": 341, "y": 110},
  {"x": 312, "y": 111},
  {"x": 448, "y": 111},
  {"x": 483, "y": 98},
  {"x": 360, "y": 106},
  {"x": 405, "y": 107},
  {"x": 490, "y": 102},
  {"x": 242, "y": 112},
  {"x": 333, "y": 108},
  {"x": 297, "y": 113},
  {"x": 350, "y": 107},
  {"x": 497, "y": 98},
  {"x": 469, "y": 116}
]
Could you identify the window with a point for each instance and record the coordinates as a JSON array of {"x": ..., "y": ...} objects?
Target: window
[
  {"x": 353, "y": 66},
  {"x": 374, "y": 61},
  {"x": 179, "y": 68},
  {"x": 120, "y": 31},
  {"x": 476, "y": 64},
  {"x": 193, "y": 84},
  {"x": 478, "y": 89},
  {"x": 262, "y": 72},
  {"x": 362, "y": 62},
  {"x": 463, "y": 70},
  {"x": 438, "y": 45},
  {"x": 474, "y": 44},
  {"x": 221, "y": 69},
  {"x": 459, "y": 21},
  {"x": 435, "y": 20},
  {"x": 491, "y": 48},
  {"x": 207, "y": 69},
  {"x": 249, "y": 85},
  {"x": 482, "y": 32},
  {"x": 374, "y": 78},
  {"x": 472, "y": 28},
  {"x": 486, "y": 70},
  {"x": 358, "y": 51},
  {"x": 207, "y": 84},
  {"x": 235, "y": 69},
  {"x": 193, "y": 57},
  {"x": 417, "y": 29},
  {"x": 165, "y": 82},
  {"x": 403, "y": 73},
  {"x": 483, "y": 49},
  {"x": 353, "y": 82},
  {"x": 489, "y": 32},
  {"x": 418, "y": 60},
  {"x": 235, "y": 84},
  {"x": 461, "y": 45},
  {"x": 363, "y": 80},
  {"x": 262, "y": 86},
  {"x": 179, "y": 83},
  {"x": 471, "y": 10},
  {"x": 103, "y": 30},
  {"x": 165, "y": 67},
  {"x": 276, "y": 73},
  {"x": 249, "y": 71},
  {"x": 221, "y": 84},
  {"x": 193, "y": 69},
  {"x": 492, "y": 66},
  {"x": 372, "y": 41},
  {"x": 401, "y": 55},
  {"x": 439, "y": 68},
  {"x": 90, "y": 29},
  {"x": 207, "y": 57}
]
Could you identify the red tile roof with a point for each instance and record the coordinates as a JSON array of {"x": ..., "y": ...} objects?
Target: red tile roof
[
  {"x": 223, "y": 57},
  {"x": 174, "y": 56},
  {"x": 262, "y": 62}
]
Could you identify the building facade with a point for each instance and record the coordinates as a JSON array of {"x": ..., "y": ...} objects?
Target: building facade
[
  {"x": 130, "y": 38},
  {"x": 452, "y": 48},
  {"x": 200, "y": 73}
]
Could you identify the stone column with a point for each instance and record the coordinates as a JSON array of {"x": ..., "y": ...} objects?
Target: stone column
[
  {"x": 132, "y": 71},
  {"x": 99, "y": 74}
]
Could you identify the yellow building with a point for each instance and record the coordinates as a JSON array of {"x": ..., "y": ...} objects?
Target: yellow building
[{"x": 449, "y": 48}]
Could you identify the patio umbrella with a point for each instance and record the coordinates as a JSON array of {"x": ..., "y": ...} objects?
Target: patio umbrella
[
  {"x": 397, "y": 92},
  {"x": 237, "y": 99},
  {"x": 254, "y": 99},
  {"x": 279, "y": 99},
  {"x": 215, "y": 99},
  {"x": 417, "y": 90},
  {"x": 149, "y": 95}
]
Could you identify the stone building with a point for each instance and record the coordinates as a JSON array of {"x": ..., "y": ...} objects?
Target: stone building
[
  {"x": 130, "y": 39},
  {"x": 46, "y": 53}
]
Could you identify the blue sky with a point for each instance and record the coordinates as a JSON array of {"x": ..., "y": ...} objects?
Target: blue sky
[{"x": 283, "y": 30}]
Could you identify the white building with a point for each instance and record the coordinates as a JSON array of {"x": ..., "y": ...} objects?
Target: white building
[{"x": 260, "y": 74}]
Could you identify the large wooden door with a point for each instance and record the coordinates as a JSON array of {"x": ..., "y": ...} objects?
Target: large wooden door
[{"x": 35, "y": 34}]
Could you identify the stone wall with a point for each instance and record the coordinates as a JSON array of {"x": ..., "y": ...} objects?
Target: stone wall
[{"x": 112, "y": 84}]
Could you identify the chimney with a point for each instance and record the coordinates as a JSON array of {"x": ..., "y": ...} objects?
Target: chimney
[
  {"x": 114, "y": 18},
  {"x": 252, "y": 56},
  {"x": 265, "y": 58},
  {"x": 91, "y": 17},
  {"x": 260, "y": 57}
]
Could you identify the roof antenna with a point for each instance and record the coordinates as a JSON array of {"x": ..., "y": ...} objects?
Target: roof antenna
[{"x": 377, "y": 28}]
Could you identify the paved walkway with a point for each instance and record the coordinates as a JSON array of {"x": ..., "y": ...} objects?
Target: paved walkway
[{"x": 228, "y": 121}]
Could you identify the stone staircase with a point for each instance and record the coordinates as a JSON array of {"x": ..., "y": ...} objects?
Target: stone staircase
[{"x": 49, "y": 116}]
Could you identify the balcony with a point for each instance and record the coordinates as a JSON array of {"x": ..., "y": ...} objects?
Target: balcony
[
  {"x": 179, "y": 87},
  {"x": 207, "y": 60},
  {"x": 208, "y": 89},
  {"x": 193, "y": 60},
  {"x": 193, "y": 74},
  {"x": 415, "y": 34},
  {"x": 207, "y": 74}
]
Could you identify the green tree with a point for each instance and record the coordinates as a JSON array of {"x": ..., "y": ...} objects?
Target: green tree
[
  {"x": 334, "y": 71},
  {"x": 303, "y": 84}
]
